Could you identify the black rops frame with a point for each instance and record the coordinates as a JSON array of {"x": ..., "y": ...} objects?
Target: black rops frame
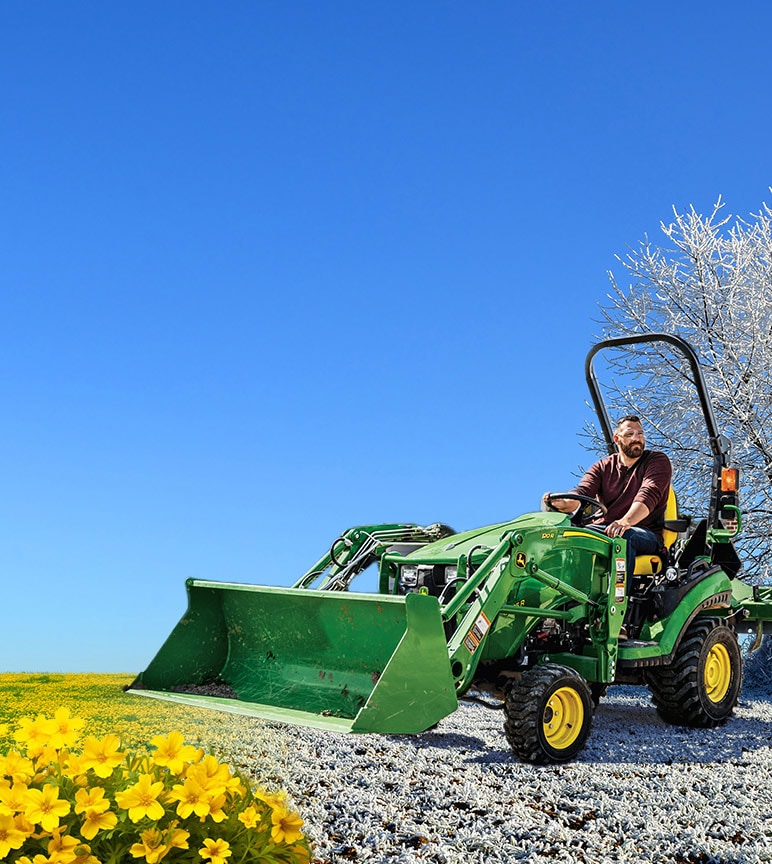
[{"x": 719, "y": 444}]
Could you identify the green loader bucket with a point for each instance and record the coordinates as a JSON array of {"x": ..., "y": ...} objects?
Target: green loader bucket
[{"x": 327, "y": 659}]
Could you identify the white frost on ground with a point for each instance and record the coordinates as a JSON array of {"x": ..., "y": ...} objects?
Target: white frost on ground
[{"x": 640, "y": 791}]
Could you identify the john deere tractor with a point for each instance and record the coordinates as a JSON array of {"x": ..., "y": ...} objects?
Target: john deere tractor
[{"x": 529, "y": 610}]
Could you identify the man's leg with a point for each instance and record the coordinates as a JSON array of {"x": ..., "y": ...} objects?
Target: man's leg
[{"x": 640, "y": 541}]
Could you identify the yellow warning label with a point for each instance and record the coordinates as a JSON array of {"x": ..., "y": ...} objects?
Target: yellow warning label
[{"x": 477, "y": 633}]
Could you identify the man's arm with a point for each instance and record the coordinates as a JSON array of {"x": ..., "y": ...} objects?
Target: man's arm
[
  {"x": 655, "y": 483},
  {"x": 636, "y": 514},
  {"x": 562, "y": 504}
]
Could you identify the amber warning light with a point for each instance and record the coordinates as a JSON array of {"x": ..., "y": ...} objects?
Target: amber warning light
[{"x": 729, "y": 479}]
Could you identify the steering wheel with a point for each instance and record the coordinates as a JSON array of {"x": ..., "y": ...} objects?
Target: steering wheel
[{"x": 591, "y": 508}]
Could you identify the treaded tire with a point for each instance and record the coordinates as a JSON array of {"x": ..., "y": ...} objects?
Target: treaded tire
[
  {"x": 701, "y": 686},
  {"x": 548, "y": 714}
]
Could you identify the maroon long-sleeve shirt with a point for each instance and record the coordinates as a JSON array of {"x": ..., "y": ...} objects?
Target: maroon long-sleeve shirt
[{"x": 617, "y": 487}]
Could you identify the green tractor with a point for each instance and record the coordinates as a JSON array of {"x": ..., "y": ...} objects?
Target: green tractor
[{"x": 529, "y": 611}]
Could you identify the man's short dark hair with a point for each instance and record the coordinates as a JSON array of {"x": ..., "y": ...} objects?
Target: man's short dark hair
[{"x": 628, "y": 418}]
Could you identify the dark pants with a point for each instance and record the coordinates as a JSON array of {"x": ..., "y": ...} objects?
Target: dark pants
[{"x": 640, "y": 541}]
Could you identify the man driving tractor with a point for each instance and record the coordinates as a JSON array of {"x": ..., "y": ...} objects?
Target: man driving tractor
[{"x": 633, "y": 485}]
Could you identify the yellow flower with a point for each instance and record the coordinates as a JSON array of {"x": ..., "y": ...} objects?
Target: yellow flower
[
  {"x": 141, "y": 799},
  {"x": 249, "y": 816},
  {"x": 215, "y": 811},
  {"x": 23, "y": 824},
  {"x": 178, "y": 838},
  {"x": 13, "y": 799},
  {"x": 51, "y": 797},
  {"x": 65, "y": 730},
  {"x": 286, "y": 826},
  {"x": 44, "y": 808},
  {"x": 72, "y": 767},
  {"x": 151, "y": 848},
  {"x": 172, "y": 752},
  {"x": 273, "y": 799},
  {"x": 216, "y": 850},
  {"x": 101, "y": 755},
  {"x": 10, "y": 836},
  {"x": 91, "y": 799},
  {"x": 97, "y": 820},
  {"x": 61, "y": 848},
  {"x": 16, "y": 767},
  {"x": 211, "y": 774},
  {"x": 34, "y": 733},
  {"x": 83, "y": 855},
  {"x": 192, "y": 797}
]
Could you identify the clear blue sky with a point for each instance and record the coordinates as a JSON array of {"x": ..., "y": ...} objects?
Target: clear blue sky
[{"x": 273, "y": 269}]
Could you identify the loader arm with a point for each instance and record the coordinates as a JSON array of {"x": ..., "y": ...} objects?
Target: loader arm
[
  {"x": 483, "y": 597},
  {"x": 490, "y": 585},
  {"x": 358, "y": 547}
]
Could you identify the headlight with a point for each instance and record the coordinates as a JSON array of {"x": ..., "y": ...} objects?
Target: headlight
[
  {"x": 413, "y": 577},
  {"x": 451, "y": 574},
  {"x": 408, "y": 577}
]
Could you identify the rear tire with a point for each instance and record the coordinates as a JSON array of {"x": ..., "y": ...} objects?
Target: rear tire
[
  {"x": 548, "y": 714},
  {"x": 701, "y": 686}
]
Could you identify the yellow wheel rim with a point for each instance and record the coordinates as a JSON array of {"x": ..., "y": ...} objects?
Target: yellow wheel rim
[
  {"x": 718, "y": 672},
  {"x": 563, "y": 718}
]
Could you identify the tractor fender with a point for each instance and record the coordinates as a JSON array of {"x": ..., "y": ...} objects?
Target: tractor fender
[{"x": 711, "y": 593}]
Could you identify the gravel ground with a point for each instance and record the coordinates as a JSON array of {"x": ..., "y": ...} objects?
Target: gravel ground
[{"x": 640, "y": 791}]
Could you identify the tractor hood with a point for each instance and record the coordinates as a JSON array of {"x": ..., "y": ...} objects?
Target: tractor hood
[{"x": 479, "y": 541}]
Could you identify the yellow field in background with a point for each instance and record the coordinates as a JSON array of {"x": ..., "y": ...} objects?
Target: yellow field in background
[{"x": 100, "y": 701}]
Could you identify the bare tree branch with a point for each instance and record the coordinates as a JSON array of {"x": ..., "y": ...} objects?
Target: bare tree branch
[{"x": 711, "y": 284}]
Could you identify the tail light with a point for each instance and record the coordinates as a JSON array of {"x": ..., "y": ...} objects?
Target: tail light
[{"x": 730, "y": 479}]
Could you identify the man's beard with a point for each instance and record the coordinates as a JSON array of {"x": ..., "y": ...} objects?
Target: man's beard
[{"x": 632, "y": 450}]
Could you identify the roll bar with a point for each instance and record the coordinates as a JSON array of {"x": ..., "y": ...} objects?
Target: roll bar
[{"x": 719, "y": 444}]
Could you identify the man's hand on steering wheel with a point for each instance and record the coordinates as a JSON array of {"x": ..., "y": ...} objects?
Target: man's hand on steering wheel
[{"x": 589, "y": 508}]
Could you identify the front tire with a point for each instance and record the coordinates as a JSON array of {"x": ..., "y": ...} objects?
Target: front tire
[
  {"x": 701, "y": 686},
  {"x": 548, "y": 714}
]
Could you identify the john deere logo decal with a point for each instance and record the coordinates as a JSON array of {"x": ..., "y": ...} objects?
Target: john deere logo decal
[{"x": 520, "y": 559}]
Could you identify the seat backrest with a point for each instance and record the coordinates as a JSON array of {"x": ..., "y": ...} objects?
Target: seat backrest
[
  {"x": 671, "y": 513},
  {"x": 649, "y": 565}
]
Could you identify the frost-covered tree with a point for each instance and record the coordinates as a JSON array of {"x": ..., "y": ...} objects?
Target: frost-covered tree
[{"x": 711, "y": 284}]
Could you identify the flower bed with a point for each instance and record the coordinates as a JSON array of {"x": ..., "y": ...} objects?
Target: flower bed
[{"x": 104, "y": 803}]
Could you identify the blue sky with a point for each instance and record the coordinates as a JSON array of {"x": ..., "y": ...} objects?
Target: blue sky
[{"x": 273, "y": 269}]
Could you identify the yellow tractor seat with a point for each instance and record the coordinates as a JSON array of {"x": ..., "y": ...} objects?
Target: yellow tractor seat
[{"x": 651, "y": 565}]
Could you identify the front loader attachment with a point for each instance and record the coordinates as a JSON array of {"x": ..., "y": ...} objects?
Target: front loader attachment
[{"x": 327, "y": 659}]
